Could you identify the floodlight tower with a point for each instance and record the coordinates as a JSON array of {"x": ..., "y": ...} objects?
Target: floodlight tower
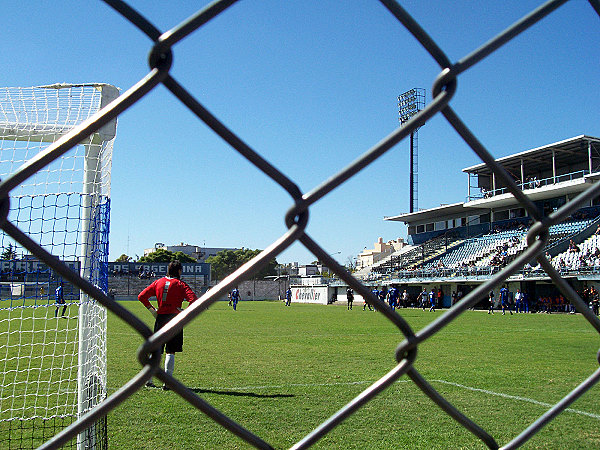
[{"x": 409, "y": 104}]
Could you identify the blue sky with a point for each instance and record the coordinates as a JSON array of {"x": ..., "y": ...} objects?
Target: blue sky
[{"x": 310, "y": 85}]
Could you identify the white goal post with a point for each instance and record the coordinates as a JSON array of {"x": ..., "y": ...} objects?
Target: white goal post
[{"x": 53, "y": 348}]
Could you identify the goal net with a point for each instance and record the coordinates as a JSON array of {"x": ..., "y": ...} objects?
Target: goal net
[{"x": 53, "y": 343}]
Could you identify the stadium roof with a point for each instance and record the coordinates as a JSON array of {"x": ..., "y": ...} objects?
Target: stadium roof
[
  {"x": 566, "y": 153},
  {"x": 425, "y": 214}
]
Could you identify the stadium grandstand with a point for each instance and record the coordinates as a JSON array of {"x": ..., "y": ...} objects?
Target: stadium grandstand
[{"x": 455, "y": 247}]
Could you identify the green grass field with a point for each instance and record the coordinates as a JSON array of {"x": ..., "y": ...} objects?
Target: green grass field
[{"x": 281, "y": 371}]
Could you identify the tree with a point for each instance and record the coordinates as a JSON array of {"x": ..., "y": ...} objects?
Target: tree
[
  {"x": 10, "y": 252},
  {"x": 351, "y": 264},
  {"x": 228, "y": 261},
  {"x": 183, "y": 258},
  {"x": 164, "y": 255},
  {"x": 123, "y": 258}
]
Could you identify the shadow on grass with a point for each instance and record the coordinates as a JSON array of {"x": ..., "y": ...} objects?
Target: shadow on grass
[{"x": 239, "y": 394}]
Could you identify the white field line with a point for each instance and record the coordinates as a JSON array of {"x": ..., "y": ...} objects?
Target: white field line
[
  {"x": 462, "y": 386},
  {"x": 516, "y": 397}
]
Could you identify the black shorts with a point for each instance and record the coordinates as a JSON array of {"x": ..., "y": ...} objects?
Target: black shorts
[{"x": 176, "y": 343}]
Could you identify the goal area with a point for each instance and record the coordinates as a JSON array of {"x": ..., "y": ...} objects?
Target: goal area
[{"x": 52, "y": 335}]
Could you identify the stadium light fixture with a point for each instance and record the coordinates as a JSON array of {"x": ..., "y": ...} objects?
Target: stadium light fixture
[{"x": 409, "y": 104}]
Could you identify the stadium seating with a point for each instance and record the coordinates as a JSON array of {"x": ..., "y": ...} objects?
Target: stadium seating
[{"x": 450, "y": 255}]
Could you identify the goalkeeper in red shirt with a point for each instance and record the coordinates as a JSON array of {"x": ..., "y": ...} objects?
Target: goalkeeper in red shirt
[{"x": 170, "y": 293}]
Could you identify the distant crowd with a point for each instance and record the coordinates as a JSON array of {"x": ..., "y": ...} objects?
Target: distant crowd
[{"x": 517, "y": 302}]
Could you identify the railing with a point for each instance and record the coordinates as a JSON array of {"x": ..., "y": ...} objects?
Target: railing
[{"x": 533, "y": 183}]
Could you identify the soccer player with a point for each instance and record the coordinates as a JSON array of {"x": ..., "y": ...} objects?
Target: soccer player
[
  {"x": 504, "y": 299},
  {"x": 432, "y": 300},
  {"x": 423, "y": 299},
  {"x": 491, "y": 300},
  {"x": 170, "y": 292},
  {"x": 375, "y": 293},
  {"x": 393, "y": 297},
  {"x": 349, "y": 298},
  {"x": 235, "y": 298},
  {"x": 288, "y": 297},
  {"x": 60, "y": 300},
  {"x": 382, "y": 295}
]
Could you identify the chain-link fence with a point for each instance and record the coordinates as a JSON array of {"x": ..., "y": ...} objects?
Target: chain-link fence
[{"x": 444, "y": 88}]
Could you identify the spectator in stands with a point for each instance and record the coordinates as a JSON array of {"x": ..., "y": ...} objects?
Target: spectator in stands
[
  {"x": 531, "y": 183},
  {"x": 573, "y": 247},
  {"x": 595, "y": 300},
  {"x": 504, "y": 257},
  {"x": 562, "y": 264}
]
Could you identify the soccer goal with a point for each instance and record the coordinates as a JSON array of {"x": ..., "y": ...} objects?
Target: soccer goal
[{"x": 52, "y": 336}]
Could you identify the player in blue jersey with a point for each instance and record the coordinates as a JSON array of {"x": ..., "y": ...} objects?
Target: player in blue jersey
[
  {"x": 504, "y": 300},
  {"x": 432, "y": 300},
  {"x": 375, "y": 293},
  {"x": 60, "y": 300},
  {"x": 382, "y": 295},
  {"x": 393, "y": 297},
  {"x": 235, "y": 298},
  {"x": 288, "y": 297}
]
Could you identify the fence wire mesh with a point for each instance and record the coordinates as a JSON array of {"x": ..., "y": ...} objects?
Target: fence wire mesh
[{"x": 444, "y": 89}]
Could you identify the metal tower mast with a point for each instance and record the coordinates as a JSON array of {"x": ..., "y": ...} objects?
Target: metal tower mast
[{"x": 409, "y": 104}]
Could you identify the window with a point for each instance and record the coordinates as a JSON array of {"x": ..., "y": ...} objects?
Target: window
[{"x": 500, "y": 215}]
